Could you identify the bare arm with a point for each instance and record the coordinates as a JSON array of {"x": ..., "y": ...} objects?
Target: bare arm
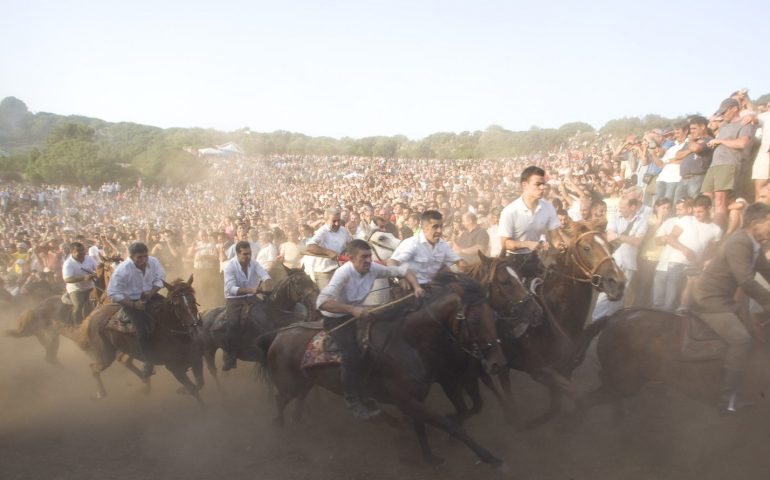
[
  {"x": 320, "y": 251},
  {"x": 673, "y": 240}
]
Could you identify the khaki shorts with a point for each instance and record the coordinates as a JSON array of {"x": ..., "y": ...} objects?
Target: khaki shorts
[{"x": 719, "y": 178}]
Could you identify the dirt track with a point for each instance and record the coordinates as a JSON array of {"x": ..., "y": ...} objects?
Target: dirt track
[{"x": 51, "y": 429}]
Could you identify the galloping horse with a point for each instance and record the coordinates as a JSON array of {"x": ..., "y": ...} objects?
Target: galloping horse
[
  {"x": 639, "y": 346},
  {"x": 52, "y": 317},
  {"x": 296, "y": 287},
  {"x": 551, "y": 351},
  {"x": 409, "y": 345},
  {"x": 173, "y": 337}
]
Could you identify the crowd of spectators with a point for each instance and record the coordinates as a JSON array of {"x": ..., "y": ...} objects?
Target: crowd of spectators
[{"x": 277, "y": 202}]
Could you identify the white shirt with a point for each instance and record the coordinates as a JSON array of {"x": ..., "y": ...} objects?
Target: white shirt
[
  {"x": 670, "y": 171},
  {"x": 73, "y": 268},
  {"x": 518, "y": 222},
  {"x": 625, "y": 254},
  {"x": 664, "y": 229},
  {"x": 424, "y": 259},
  {"x": 128, "y": 282},
  {"x": 335, "y": 241},
  {"x": 267, "y": 255},
  {"x": 351, "y": 288},
  {"x": 494, "y": 240},
  {"x": 94, "y": 253},
  {"x": 235, "y": 278},
  {"x": 696, "y": 236}
]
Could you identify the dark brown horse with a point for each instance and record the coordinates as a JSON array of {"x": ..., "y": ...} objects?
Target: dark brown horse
[
  {"x": 639, "y": 346},
  {"x": 172, "y": 338},
  {"x": 513, "y": 305},
  {"x": 550, "y": 352},
  {"x": 52, "y": 317},
  {"x": 296, "y": 287},
  {"x": 409, "y": 347}
]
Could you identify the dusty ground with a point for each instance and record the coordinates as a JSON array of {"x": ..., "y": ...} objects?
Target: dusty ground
[{"x": 51, "y": 429}]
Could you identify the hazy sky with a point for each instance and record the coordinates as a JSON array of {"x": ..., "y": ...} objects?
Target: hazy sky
[{"x": 358, "y": 68}]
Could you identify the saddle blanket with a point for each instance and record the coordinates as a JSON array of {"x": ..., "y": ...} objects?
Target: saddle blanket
[{"x": 320, "y": 350}]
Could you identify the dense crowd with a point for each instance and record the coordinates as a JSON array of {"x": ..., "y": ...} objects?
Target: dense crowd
[{"x": 277, "y": 202}]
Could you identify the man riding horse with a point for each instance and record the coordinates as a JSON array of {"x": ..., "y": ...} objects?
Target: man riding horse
[
  {"x": 244, "y": 278},
  {"x": 426, "y": 253},
  {"x": 735, "y": 265},
  {"x": 342, "y": 299},
  {"x": 79, "y": 273},
  {"x": 526, "y": 220},
  {"x": 134, "y": 283}
]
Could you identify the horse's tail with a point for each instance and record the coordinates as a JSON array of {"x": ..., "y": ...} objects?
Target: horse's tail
[
  {"x": 589, "y": 333},
  {"x": 26, "y": 325}
]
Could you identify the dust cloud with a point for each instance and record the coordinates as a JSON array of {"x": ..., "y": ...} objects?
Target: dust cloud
[{"x": 50, "y": 428}]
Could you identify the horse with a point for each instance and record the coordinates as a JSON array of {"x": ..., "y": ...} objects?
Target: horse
[
  {"x": 640, "y": 346},
  {"x": 514, "y": 306},
  {"x": 383, "y": 245},
  {"x": 551, "y": 351},
  {"x": 296, "y": 287},
  {"x": 408, "y": 346},
  {"x": 173, "y": 338},
  {"x": 52, "y": 317}
]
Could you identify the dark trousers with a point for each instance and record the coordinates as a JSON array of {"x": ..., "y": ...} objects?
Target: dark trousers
[
  {"x": 81, "y": 305},
  {"x": 233, "y": 310},
  {"x": 351, "y": 355},
  {"x": 142, "y": 323}
]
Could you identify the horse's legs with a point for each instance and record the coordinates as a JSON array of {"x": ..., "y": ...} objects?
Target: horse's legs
[
  {"x": 422, "y": 438},
  {"x": 558, "y": 385},
  {"x": 281, "y": 400},
  {"x": 180, "y": 373},
  {"x": 421, "y": 413},
  {"x": 299, "y": 406},
  {"x": 209, "y": 354},
  {"x": 128, "y": 362},
  {"x": 454, "y": 393},
  {"x": 50, "y": 341},
  {"x": 197, "y": 369},
  {"x": 510, "y": 412}
]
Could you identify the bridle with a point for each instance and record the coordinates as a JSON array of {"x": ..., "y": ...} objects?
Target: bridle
[
  {"x": 589, "y": 274},
  {"x": 473, "y": 347},
  {"x": 171, "y": 299},
  {"x": 511, "y": 305}
]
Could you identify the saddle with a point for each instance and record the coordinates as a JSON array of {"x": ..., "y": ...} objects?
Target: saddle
[
  {"x": 220, "y": 322},
  {"x": 698, "y": 341},
  {"x": 119, "y": 321}
]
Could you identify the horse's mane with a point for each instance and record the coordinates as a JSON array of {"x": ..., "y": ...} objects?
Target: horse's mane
[
  {"x": 473, "y": 290},
  {"x": 280, "y": 291},
  {"x": 181, "y": 285}
]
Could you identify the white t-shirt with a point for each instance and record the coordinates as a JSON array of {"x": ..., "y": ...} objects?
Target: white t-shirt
[
  {"x": 326, "y": 238},
  {"x": 518, "y": 222},
  {"x": 670, "y": 171},
  {"x": 696, "y": 236},
  {"x": 625, "y": 254},
  {"x": 73, "y": 268},
  {"x": 494, "y": 240}
]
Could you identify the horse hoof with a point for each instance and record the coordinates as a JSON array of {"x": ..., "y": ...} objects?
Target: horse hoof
[{"x": 502, "y": 468}]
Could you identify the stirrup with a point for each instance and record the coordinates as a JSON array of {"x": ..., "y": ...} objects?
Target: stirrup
[{"x": 148, "y": 370}]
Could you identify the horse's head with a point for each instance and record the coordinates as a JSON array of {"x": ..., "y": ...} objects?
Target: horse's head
[
  {"x": 507, "y": 294},
  {"x": 591, "y": 259},
  {"x": 181, "y": 300},
  {"x": 383, "y": 244},
  {"x": 473, "y": 324},
  {"x": 296, "y": 288}
]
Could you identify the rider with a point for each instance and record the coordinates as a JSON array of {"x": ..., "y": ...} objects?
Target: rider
[
  {"x": 526, "y": 220},
  {"x": 341, "y": 299},
  {"x": 734, "y": 267},
  {"x": 244, "y": 278},
  {"x": 328, "y": 242},
  {"x": 134, "y": 283},
  {"x": 79, "y": 273},
  {"x": 426, "y": 252}
]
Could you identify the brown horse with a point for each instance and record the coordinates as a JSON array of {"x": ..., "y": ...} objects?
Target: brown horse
[
  {"x": 296, "y": 287},
  {"x": 409, "y": 347},
  {"x": 172, "y": 338},
  {"x": 514, "y": 305},
  {"x": 52, "y": 317},
  {"x": 550, "y": 352},
  {"x": 639, "y": 346}
]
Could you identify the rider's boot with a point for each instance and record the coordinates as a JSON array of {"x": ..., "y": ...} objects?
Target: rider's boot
[
  {"x": 351, "y": 380},
  {"x": 230, "y": 360},
  {"x": 729, "y": 403},
  {"x": 148, "y": 370}
]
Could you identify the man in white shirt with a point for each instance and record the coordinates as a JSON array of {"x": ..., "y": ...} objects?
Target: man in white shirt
[
  {"x": 626, "y": 231},
  {"x": 78, "y": 272},
  {"x": 342, "y": 298},
  {"x": 526, "y": 220},
  {"x": 244, "y": 278},
  {"x": 269, "y": 252},
  {"x": 327, "y": 243},
  {"x": 134, "y": 283},
  {"x": 686, "y": 245},
  {"x": 426, "y": 252},
  {"x": 493, "y": 231},
  {"x": 669, "y": 178}
]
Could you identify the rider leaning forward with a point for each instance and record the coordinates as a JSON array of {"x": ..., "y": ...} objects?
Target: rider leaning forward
[
  {"x": 342, "y": 299},
  {"x": 134, "y": 283}
]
